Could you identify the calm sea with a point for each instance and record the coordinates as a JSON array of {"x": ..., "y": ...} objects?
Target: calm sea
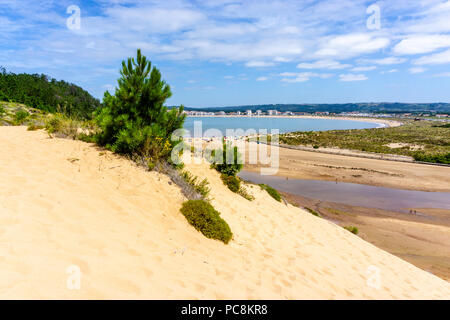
[{"x": 282, "y": 124}]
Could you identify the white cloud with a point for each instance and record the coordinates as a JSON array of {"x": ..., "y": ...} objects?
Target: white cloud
[
  {"x": 352, "y": 77},
  {"x": 351, "y": 45},
  {"x": 262, "y": 79},
  {"x": 445, "y": 74},
  {"x": 155, "y": 20},
  {"x": 434, "y": 19},
  {"x": 389, "y": 61},
  {"x": 261, "y": 64},
  {"x": 302, "y": 76},
  {"x": 437, "y": 58},
  {"x": 323, "y": 64},
  {"x": 360, "y": 69},
  {"x": 282, "y": 59},
  {"x": 228, "y": 77},
  {"x": 417, "y": 70},
  {"x": 422, "y": 44}
]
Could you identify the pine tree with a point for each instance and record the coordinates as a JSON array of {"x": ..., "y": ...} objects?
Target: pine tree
[{"x": 134, "y": 120}]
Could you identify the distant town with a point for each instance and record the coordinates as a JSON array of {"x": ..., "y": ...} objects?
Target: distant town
[{"x": 260, "y": 113}]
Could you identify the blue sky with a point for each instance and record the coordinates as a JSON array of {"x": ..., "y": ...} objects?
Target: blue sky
[{"x": 232, "y": 52}]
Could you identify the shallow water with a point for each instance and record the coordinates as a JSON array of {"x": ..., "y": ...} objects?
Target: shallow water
[
  {"x": 282, "y": 124},
  {"x": 354, "y": 194}
]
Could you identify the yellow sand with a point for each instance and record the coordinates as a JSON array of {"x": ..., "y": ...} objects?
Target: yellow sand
[{"x": 65, "y": 203}]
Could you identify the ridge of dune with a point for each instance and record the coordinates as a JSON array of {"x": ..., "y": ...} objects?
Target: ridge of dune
[{"x": 65, "y": 203}]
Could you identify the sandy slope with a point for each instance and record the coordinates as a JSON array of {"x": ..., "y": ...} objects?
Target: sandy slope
[{"x": 65, "y": 203}]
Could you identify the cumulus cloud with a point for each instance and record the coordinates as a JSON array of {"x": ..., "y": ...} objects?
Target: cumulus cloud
[
  {"x": 422, "y": 44},
  {"x": 260, "y": 64},
  {"x": 389, "y": 61},
  {"x": 437, "y": 58},
  {"x": 416, "y": 70},
  {"x": 262, "y": 79},
  {"x": 360, "y": 69},
  {"x": 323, "y": 64},
  {"x": 351, "y": 45},
  {"x": 352, "y": 77},
  {"x": 302, "y": 76}
]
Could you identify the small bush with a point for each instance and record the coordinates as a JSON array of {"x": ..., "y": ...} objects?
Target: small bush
[
  {"x": 230, "y": 169},
  {"x": 273, "y": 193},
  {"x": 202, "y": 215},
  {"x": 352, "y": 229},
  {"x": 34, "y": 127},
  {"x": 243, "y": 193},
  {"x": 20, "y": 116},
  {"x": 87, "y": 137},
  {"x": 201, "y": 187},
  {"x": 313, "y": 212},
  {"x": 435, "y": 158},
  {"x": 2, "y": 110},
  {"x": 62, "y": 127},
  {"x": 233, "y": 183}
]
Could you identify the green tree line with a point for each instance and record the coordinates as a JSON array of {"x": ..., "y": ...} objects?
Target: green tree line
[{"x": 43, "y": 92}]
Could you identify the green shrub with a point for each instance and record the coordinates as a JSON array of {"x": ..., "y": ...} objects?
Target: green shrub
[
  {"x": 134, "y": 120},
  {"x": 435, "y": 158},
  {"x": 273, "y": 193},
  {"x": 233, "y": 183},
  {"x": 202, "y": 215},
  {"x": 90, "y": 138},
  {"x": 313, "y": 212},
  {"x": 352, "y": 229},
  {"x": 201, "y": 187},
  {"x": 243, "y": 193},
  {"x": 54, "y": 124},
  {"x": 20, "y": 116},
  {"x": 34, "y": 127},
  {"x": 2, "y": 110},
  {"x": 231, "y": 161},
  {"x": 62, "y": 126}
]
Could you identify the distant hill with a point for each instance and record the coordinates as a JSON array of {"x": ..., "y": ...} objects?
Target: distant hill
[
  {"x": 382, "y": 107},
  {"x": 45, "y": 93}
]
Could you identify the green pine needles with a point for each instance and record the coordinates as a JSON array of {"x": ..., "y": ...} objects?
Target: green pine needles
[{"x": 134, "y": 120}]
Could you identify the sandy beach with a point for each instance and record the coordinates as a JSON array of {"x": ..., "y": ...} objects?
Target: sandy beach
[{"x": 66, "y": 203}]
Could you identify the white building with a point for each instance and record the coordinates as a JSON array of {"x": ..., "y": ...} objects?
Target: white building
[
  {"x": 258, "y": 112},
  {"x": 249, "y": 112},
  {"x": 272, "y": 112}
]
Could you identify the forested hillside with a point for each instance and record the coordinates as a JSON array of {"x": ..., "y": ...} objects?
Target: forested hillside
[{"x": 45, "y": 93}]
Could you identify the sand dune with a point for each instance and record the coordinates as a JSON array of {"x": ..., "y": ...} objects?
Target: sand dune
[{"x": 65, "y": 203}]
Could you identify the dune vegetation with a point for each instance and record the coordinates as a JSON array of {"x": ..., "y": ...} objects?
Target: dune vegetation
[{"x": 423, "y": 140}]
